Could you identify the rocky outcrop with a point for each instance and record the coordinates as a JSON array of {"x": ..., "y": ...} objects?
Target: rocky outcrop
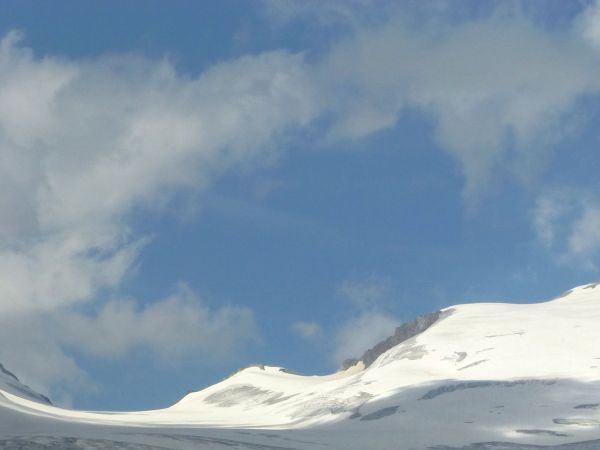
[
  {"x": 8, "y": 373},
  {"x": 403, "y": 333}
]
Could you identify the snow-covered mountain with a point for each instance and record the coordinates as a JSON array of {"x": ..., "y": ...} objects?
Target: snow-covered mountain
[
  {"x": 9, "y": 383},
  {"x": 473, "y": 376}
]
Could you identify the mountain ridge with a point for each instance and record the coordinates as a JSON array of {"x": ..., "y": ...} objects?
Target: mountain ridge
[
  {"x": 466, "y": 377},
  {"x": 402, "y": 333},
  {"x": 9, "y": 382}
]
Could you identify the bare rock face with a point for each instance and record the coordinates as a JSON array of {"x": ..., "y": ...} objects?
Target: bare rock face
[{"x": 403, "y": 333}]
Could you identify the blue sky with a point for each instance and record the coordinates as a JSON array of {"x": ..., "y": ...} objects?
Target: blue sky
[{"x": 190, "y": 187}]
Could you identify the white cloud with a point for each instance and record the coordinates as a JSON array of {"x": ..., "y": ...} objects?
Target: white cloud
[
  {"x": 333, "y": 12},
  {"x": 362, "y": 332},
  {"x": 178, "y": 329},
  {"x": 306, "y": 330},
  {"x": 179, "y": 326},
  {"x": 365, "y": 293},
  {"x": 364, "y": 322},
  {"x": 548, "y": 211},
  {"x": 500, "y": 91},
  {"x": 500, "y": 88},
  {"x": 60, "y": 270},
  {"x": 84, "y": 146},
  {"x": 568, "y": 223},
  {"x": 589, "y": 24},
  {"x": 585, "y": 236},
  {"x": 30, "y": 347},
  {"x": 367, "y": 321}
]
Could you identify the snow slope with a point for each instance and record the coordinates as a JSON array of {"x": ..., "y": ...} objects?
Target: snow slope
[
  {"x": 9, "y": 383},
  {"x": 480, "y": 376}
]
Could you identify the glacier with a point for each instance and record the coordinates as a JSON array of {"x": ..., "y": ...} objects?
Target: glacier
[{"x": 479, "y": 376}]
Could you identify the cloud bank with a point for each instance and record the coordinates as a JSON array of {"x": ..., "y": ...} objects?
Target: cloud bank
[
  {"x": 499, "y": 92},
  {"x": 87, "y": 145}
]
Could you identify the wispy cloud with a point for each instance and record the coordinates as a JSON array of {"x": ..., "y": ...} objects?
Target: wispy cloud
[
  {"x": 86, "y": 145},
  {"x": 567, "y": 222},
  {"x": 176, "y": 327},
  {"x": 310, "y": 330},
  {"x": 500, "y": 88},
  {"x": 366, "y": 293},
  {"x": 486, "y": 114},
  {"x": 589, "y": 24},
  {"x": 360, "y": 333},
  {"x": 367, "y": 319}
]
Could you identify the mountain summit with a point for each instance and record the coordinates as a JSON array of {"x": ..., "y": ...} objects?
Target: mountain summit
[{"x": 473, "y": 376}]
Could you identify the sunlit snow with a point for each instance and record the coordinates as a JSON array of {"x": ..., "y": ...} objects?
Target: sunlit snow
[{"x": 482, "y": 376}]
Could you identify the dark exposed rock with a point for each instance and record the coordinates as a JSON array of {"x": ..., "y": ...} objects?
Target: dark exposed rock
[
  {"x": 12, "y": 384},
  {"x": 8, "y": 372},
  {"x": 403, "y": 333}
]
